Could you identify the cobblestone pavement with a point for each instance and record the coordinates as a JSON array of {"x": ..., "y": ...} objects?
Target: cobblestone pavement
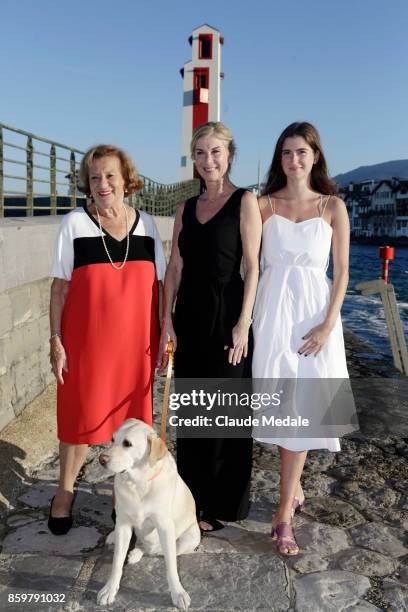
[{"x": 352, "y": 535}]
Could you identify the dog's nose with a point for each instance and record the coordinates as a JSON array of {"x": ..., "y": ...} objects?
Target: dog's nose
[{"x": 103, "y": 459}]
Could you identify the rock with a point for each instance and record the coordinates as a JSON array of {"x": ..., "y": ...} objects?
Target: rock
[
  {"x": 366, "y": 562},
  {"x": 317, "y": 485},
  {"x": 94, "y": 508},
  {"x": 266, "y": 457},
  {"x": 322, "y": 539},
  {"x": 313, "y": 562},
  {"x": 93, "y": 472},
  {"x": 258, "y": 519},
  {"x": 20, "y": 518},
  {"x": 214, "y": 581},
  {"x": 404, "y": 502},
  {"x": 264, "y": 480},
  {"x": 36, "y": 537},
  {"x": 214, "y": 544},
  {"x": 49, "y": 472},
  {"x": 397, "y": 597},
  {"x": 363, "y": 606},
  {"x": 398, "y": 518},
  {"x": 39, "y": 495},
  {"x": 52, "y": 574},
  {"x": 358, "y": 473},
  {"x": 380, "y": 538},
  {"x": 403, "y": 574},
  {"x": 333, "y": 511},
  {"x": 357, "y": 451},
  {"x": 401, "y": 449},
  {"x": 373, "y": 501},
  {"x": 267, "y": 498},
  {"x": 329, "y": 591},
  {"x": 319, "y": 460},
  {"x": 233, "y": 539},
  {"x": 400, "y": 481}
]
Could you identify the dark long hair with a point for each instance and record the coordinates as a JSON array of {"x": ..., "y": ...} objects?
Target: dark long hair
[{"x": 319, "y": 178}]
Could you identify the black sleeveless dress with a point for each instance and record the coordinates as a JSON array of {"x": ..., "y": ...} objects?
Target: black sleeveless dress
[{"x": 209, "y": 302}]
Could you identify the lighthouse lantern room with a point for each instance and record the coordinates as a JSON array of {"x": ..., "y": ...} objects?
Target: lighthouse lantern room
[{"x": 201, "y": 89}]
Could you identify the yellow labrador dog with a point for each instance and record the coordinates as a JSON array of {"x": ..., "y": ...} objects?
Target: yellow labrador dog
[{"x": 153, "y": 500}]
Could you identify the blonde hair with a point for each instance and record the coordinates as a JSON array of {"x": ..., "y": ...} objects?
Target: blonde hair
[
  {"x": 130, "y": 175},
  {"x": 219, "y": 130}
]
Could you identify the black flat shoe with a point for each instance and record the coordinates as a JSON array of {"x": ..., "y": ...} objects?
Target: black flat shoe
[
  {"x": 215, "y": 524},
  {"x": 60, "y": 525}
]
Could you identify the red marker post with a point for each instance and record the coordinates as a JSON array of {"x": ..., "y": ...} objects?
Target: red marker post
[{"x": 386, "y": 253}]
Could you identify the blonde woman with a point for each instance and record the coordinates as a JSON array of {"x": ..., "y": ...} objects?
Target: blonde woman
[{"x": 213, "y": 232}]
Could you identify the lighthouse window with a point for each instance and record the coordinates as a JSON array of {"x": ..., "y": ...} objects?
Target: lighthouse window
[
  {"x": 205, "y": 46},
  {"x": 201, "y": 81}
]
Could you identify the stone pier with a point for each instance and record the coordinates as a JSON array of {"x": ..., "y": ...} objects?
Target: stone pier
[{"x": 352, "y": 535}]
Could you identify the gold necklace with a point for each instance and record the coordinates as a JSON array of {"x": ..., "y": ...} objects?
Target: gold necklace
[{"x": 114, "y": 266}]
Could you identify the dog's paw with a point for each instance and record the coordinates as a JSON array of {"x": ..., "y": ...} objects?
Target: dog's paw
[
  {"x": 135, "y": 555},
  {"x": 107, "y": 594},
  {"x": 110, "y": 539},
  {"x": 181, "y": 599}
]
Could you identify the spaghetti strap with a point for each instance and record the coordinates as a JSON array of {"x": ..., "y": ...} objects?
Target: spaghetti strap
[
  {"x": 272, "y": 207},
  {"x": 325, "y": 204}
]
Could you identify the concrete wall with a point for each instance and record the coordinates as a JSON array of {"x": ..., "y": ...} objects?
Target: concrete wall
[{"x": 26, "y": 246}]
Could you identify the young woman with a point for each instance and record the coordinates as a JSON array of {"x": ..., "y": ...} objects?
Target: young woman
[
  {"x": 297, "y": 326},
  {"x": 213, "y": 232}
]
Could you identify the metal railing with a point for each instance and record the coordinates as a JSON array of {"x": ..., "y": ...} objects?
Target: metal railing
[{"x": 39, "y": 177}]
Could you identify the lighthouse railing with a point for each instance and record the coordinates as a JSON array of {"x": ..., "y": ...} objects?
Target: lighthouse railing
[{"x": 39, "y": 176}]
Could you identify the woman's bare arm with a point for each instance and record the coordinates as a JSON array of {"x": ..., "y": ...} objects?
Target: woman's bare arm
[
  {"x": 317, "y": 337},
  {"x": 340, "y": 251},
  {"x": 58, "y": 358},
  {"x": 171, "y": 285},
  {"x": 251, "y": 232}
]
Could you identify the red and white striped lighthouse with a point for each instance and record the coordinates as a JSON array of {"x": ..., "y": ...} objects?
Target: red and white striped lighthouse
[{"x": 201, "y": 89}]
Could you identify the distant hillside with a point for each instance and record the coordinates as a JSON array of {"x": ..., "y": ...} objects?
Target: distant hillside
[{"x": 398, "y": 168}]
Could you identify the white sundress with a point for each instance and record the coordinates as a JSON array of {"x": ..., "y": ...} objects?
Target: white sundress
[{"x": 293, "y": 296}]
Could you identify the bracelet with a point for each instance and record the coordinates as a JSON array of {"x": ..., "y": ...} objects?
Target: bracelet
[{"x": 56, "y": 335}]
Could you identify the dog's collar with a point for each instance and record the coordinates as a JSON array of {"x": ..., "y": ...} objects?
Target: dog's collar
[{"x": 156, "y": 474}]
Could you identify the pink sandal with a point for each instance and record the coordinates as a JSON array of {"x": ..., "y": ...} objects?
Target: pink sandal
[
  {"x": 285, "y": 538},
  {"x": 297, "y": 506}
]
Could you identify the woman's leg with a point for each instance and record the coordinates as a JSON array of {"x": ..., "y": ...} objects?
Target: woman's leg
[
  {"x": 72, "y": 457},
  {"x": 292, "y": 463}
]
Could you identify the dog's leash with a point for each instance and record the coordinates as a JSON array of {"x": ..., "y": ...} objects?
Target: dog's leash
[{"x": 166, "y": 397}]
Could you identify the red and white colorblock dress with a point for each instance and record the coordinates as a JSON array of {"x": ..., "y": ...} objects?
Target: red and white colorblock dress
[{"x": 110, "y": 326}]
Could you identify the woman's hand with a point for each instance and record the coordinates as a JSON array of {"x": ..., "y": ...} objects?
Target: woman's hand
[
  {"x": 316, "y": 338},
  {"x": 167, "y": 333},
  {"x": 58, "y": 359},
  {"x": 240, "y": 343}
]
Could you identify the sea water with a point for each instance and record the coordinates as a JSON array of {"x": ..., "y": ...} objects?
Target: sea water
[{"x": 364, "y": 315}]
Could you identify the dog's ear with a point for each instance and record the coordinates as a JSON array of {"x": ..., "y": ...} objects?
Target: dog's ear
[{"x": 157, "y": 449}]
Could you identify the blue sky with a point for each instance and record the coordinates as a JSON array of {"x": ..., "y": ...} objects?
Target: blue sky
[{"x": 88, "y": 71}]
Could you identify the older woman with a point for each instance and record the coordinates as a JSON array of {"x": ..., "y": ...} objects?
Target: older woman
[
  {"x": 213, "y": 313},
  {"x": 104, "y": 316}
]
